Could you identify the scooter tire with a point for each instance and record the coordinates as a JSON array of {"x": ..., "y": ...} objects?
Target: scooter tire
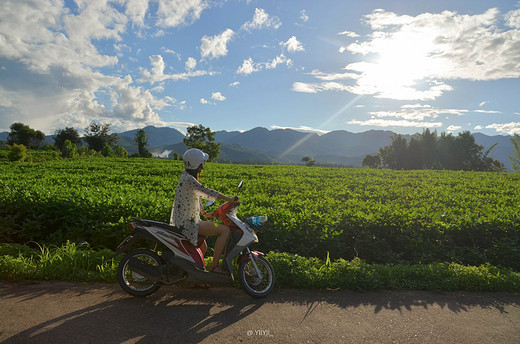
[
  {"x": 134, "y": 283},
  {"x": 249, "y": 280}
]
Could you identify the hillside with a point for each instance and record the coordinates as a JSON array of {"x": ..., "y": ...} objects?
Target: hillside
[{"x": 285, "y": 146}]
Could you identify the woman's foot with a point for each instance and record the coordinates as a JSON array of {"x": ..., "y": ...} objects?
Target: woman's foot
[{"x": 218, "y": 270}]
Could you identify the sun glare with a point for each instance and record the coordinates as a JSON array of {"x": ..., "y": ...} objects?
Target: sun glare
[{"x": 404, "y": 62}]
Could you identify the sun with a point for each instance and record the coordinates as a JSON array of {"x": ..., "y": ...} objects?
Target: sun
[{"x": 403, "y": 63}]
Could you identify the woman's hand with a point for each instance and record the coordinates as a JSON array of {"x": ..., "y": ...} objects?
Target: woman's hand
[{"x": 206, "y": 214}]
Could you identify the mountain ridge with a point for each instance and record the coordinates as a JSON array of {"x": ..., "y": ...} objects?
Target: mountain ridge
[{"x": 288, "y": 146}]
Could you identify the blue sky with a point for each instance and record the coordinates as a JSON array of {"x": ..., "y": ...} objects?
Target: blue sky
[{"x": 238, "y": 64}]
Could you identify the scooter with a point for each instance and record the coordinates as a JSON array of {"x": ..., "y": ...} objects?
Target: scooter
[{"x": 174, "y": 260}]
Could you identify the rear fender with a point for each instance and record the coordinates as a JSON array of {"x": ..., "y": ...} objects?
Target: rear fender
[{"x": 129, "y": 242}]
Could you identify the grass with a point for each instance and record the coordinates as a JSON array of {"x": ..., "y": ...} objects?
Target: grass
[{"x": 72, "y": 262}]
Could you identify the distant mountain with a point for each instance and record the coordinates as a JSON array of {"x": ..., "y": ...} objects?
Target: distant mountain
[
  {"x": 286, "y": 146},
  {"x": 156, "y": 136},
  {"x": 501, "y": 152}
]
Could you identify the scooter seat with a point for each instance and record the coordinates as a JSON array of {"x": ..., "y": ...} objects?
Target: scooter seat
[{"x": 163, "y": 226}]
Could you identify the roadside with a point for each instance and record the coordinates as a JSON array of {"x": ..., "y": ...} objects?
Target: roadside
[{"x": 62, "y": 312}]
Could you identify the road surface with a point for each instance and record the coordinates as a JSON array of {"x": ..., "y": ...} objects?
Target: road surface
[{"x": 60, "y": 312}]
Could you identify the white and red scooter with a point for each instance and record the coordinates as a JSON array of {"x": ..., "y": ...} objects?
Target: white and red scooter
[{"x": 169, "y": 258}]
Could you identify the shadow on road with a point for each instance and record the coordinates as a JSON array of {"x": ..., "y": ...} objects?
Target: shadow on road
[{"x": 106, "y": 312}]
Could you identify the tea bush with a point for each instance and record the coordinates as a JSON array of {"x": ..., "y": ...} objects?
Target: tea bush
[{"x": 379, "y": 216}]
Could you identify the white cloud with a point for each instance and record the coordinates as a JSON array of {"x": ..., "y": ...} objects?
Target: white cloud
[
  {"x": 262, "y": 20},
  {"x": 292, "y": 45},
  {"x": 218, "y": 96},
  {"x": 482, "y": 104},
  {"x": 302, "y": 128},
  {"x": 249, "y": 66},
  {"x": 216, "y": 46},
  {"x": 488, "y": 111},
  {"x": 203, "y": 101},
  {"x": 513, "y": 19},
  {"x": 349, "y": 34},
  {"x": 234, "y": 84},
  {"x": 62, "y": 74},
  {"x": 156, "y": 74},
  {"x": 418, "y": 113},
  {"x": 414, "y": 57},
  {"x": 174, "y": 13},
  {"x": 506, "y": 128},
  {"x": 303, "y": 16},
  {"x": 136, "y": 11},
  {"x": 191, "y": 63},
  {"x": 395, "y": 123},
  {"x": 453, "y": 128}
]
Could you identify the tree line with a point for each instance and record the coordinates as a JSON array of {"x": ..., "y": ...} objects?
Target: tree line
[
  {"x": 430, "y": 151},
  {"x": 98, "y": 140}
]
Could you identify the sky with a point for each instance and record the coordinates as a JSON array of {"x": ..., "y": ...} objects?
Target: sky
[{"x": 313, "y": 66}]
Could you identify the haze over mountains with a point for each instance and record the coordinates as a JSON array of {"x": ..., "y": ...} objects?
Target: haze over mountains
[{"x": 286, "y": 146}]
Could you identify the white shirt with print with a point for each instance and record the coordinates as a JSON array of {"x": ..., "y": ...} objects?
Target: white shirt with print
[{"x": 185, "y": 213}]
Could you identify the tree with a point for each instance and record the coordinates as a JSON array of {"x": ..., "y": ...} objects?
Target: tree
[
  {"x": 142, "y": 140},
  {"x": 372, "y": 161},
  {"x": 69, "y": 149},
  {"x": 22, "y": 134},
  {"x": 394, "y": 155},
  {"x": 515, "y": 158},
  {"x": 308, "y": 161},
  {"x": 426, "y": 151},
  {"x": 63, "y": 135},
  {"x": 204, "y": 139},
  {"x": 98, "y": 135}
]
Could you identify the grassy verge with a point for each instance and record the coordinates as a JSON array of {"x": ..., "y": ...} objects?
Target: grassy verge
[{"x": 72, "y": 262}]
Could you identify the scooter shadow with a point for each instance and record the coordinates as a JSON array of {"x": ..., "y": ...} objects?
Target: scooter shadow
[{"x": 172, "y": 315}]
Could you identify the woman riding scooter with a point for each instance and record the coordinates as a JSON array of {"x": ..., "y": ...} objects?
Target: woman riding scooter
[{"x": 186, "y": 208}]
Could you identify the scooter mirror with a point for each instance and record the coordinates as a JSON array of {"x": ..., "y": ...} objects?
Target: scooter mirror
[
  {"x": 241, "y": 184},
  {"x": 208, "y": 204}
]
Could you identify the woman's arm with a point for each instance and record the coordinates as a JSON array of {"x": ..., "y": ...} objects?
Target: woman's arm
[{"x": 226, "y": 198}]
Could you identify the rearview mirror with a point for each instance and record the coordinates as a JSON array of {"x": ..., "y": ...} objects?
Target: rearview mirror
[
  {"x": 208, "y": 204},
  {"x": 240, "y": 184}
]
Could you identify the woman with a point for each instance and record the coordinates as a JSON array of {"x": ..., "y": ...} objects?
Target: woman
[{"x": 186, "y": 208}]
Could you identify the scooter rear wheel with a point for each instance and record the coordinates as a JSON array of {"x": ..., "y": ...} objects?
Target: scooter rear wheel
[
  {"x": 251, "y": 282},
  {"x": 134, "y": 283}
]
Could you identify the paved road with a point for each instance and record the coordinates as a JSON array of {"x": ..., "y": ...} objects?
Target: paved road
[{"x": 102, "y": 313}]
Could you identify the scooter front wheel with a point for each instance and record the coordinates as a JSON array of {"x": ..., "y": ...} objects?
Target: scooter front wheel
[
  {"x": 254, "y": 284},
  {"x": 131, "y": 281}
]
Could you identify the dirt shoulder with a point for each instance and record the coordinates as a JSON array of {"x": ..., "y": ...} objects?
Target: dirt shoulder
[{"x": 102, "y": 313}]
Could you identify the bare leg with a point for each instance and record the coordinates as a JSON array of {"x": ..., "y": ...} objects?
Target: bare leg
[{"x": 213, "y": 229}]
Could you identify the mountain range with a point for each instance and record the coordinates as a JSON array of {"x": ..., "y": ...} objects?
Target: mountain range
[{"x": 286, "y": 146}]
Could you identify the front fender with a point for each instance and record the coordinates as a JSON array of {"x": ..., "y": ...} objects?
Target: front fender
[{"x": 255, "y": 255}]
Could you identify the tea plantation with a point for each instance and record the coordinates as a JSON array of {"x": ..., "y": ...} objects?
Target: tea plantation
[{"x": 378, "y": 216}]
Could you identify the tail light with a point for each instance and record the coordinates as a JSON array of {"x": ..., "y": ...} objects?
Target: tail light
[{"x": 132, "y": 226}]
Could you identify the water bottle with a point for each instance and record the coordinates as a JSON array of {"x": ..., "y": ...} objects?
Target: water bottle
[{"x": 256, "y": 221}]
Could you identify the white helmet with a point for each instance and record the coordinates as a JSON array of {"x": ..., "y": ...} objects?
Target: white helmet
[{"x": 193, "y": 158}]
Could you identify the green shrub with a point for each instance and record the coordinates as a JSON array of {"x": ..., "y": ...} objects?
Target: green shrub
[{"x": 17, "y": 152}]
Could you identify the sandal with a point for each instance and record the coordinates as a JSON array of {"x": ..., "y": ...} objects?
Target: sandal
[{"x": 219, "y": 270}]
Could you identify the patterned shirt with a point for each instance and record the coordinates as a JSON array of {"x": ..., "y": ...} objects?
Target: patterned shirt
[{"x": 185, "y": 213}]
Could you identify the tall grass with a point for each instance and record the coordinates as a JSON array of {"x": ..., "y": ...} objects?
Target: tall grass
[
  {"x": 72, "y": 262},
  {"x": 69, "y": 262}
]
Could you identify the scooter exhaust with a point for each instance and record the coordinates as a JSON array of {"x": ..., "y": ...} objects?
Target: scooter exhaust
[{"x": 151, "y": 272}]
